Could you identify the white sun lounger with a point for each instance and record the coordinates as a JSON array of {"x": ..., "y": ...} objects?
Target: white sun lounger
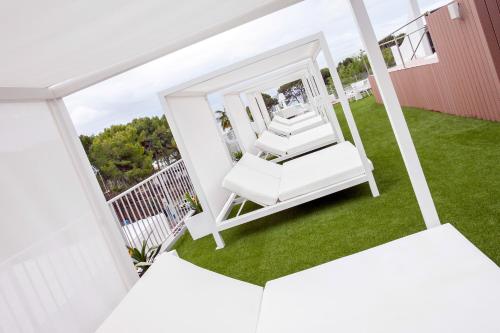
[
  {"x": 302, "y": 126},
  {"x": 294, "y": 145},
  {"x": 434, "y": 281},
  {"x": 294, "y": 120},
  {"x": 292, "y": 111},
  {"x": 266, "y": 183}
]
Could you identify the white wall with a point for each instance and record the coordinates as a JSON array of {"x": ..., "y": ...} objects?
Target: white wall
[
  {"x": 58, "y": 270},
  {"x": 202, "y": 148}
]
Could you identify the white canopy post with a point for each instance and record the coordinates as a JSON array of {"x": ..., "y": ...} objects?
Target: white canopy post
[
  {"x": 256, "y": 114},
  {"x": 348, "y": 115},
  {"x": 263, "y": 107},
  {"x": 395, "y": 114},
  {"x": 203, "y": 150},
  {"x": 329, "y": 110},
  {"x": 240, "y": 122},
  {"x": 306, "y": 88}
]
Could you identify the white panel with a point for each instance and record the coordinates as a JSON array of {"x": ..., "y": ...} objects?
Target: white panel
[
  {"x": 57, "y": 272},
  {"x": 256, "y": 114},
  {"x": 240, "y": 122},
  {"x": 202, "y": 147},
  {"x": 52, "y": 41}
]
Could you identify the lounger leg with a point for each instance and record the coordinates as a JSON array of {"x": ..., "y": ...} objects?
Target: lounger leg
[
  {"x": 373, "y": 185},
  {"x": 218, "y": 240}
]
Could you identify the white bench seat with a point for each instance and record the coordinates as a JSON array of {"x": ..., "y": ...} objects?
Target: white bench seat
[
  {"x": 302, "y": 126},
  {"x": 294, "y": 120},
  {"x": 296, "y": 144}
]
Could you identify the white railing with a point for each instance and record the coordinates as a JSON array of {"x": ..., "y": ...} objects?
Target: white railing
[{"x": 153, "y": 210}]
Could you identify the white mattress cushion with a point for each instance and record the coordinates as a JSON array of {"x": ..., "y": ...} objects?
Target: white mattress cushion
[
  {"x": 310, "y": 139},
  {"x": 250, "y": 183},
  {"x": 434, "y": 281},
  {"x": 177, "y": 296},
  {"x": 305, "y": 125},
  {"x": 272, "y": 143},
  {"x": 280, "y": 128},
  {"x": 320, "y": 169},
  {"x": 294, "y": 120},
  {"x": 261, "y": 165}
]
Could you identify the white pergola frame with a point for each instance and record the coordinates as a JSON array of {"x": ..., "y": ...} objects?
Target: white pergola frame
[
  {"x": 216, "y": 202},
  {"x": 55, "y": 94}
]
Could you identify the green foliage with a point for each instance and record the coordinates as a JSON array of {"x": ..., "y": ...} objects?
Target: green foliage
[
  {"x": 120, "y": 157},
  {"x": 269, "y": 100},
  {"x": 193, "y": 203},
  {"x": 143, "y": 257},
  {"x": 223, "y": 119},
  {"x": 124, "y": 154},
  {"x": 249, "y": 113},
  {"x": 237, "y": 155},
  {"x": 87, "y": 141},
  {"x": 292, "y": 91}
]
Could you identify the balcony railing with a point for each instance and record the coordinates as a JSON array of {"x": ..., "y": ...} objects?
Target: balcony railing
[{"x": 153, "y": 210}]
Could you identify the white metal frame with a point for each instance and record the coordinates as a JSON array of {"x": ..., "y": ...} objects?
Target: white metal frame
[
  {"x": 382, "y": 77},
  {"x": 185, "y": 90}
]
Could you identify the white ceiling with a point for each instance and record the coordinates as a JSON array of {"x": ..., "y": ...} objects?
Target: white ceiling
[
  {"x": 257, "y": 66},
  {"x": 50, "y": 42}
]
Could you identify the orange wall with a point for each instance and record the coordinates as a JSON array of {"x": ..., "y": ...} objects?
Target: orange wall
[{"x": 465, "y": 81}]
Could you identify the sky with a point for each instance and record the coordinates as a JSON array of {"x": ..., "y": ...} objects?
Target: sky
[{"x": 133, "y": 94}]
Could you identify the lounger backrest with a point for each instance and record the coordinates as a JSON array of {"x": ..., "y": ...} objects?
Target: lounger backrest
[
  {"x": 261, "y": 165},
  {"x": 255, "y": 179}
]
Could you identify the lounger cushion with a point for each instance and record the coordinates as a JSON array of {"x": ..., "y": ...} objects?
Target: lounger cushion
[
  {"x": 250, "y": 183},
  {"x": 261, "y": 165},
  {"x": 292, "y": 111},
  {"x": 296, "y": 144},
  {"x": 177, "y": 296},
  {"x": 294, "y": 120},
  {"x": 296, "y": 128},
  {"x": 434, "y": 281},
  {"x": 320, "y": 169},
  {"x": 272, "y": 143},
  {"x": 311, "y": 139}
]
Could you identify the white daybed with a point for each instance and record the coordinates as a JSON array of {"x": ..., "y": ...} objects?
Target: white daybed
[
  {"x": 298, "y": 144},
  {"x": 267, "y": 183},
  {"x": 434, "y": 281},
  {"x": 292, "y": 111},
  {"x": 296, "y": 128},
  {"x": 294, "y": 120}
]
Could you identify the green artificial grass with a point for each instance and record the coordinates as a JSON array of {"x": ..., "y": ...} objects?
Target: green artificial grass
[{"x": 460, "y": 157}]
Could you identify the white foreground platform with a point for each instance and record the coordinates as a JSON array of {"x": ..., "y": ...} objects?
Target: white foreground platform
[
  {"x": 177, "y": 296},
  {"x": 434, "y": 281}
]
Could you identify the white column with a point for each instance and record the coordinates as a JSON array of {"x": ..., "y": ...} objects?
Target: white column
[
  {"x": 240, "y": 122},
  {"x": 263, "y": 107},
  {"x": 348, "y": 115},
  {"x": 256, "y": 114},
  {"x": 395, "y": 114},
  {"x": 425, "y": 45},
  {"x": 306, "y": 88}
]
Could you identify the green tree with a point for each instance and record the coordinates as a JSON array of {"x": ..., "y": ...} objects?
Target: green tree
[
  {"x": 292, "y": 91},
  {"x": 120, "y": 157},
  {"x": 86, "y": 141},
  {"x": 223, "y": 119},
  {"x": 269, "y": 101}
]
